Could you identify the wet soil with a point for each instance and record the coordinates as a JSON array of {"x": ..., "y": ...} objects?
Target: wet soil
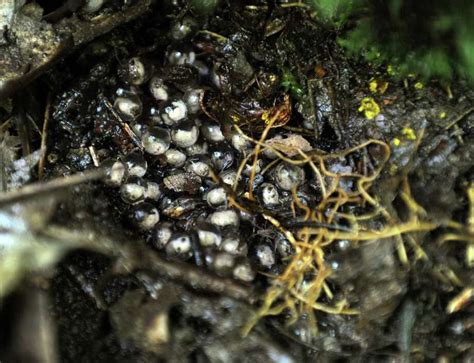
[{"x": 402, "y": 296}]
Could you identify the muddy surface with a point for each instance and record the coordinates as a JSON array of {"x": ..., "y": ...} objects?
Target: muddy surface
[{"x": 263, "y": 197}]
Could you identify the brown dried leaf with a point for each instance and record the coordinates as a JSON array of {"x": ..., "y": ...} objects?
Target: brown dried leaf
[{"x": 291, "y": 144}]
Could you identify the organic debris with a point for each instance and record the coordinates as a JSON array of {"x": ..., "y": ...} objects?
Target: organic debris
[{"x": 219, "y": 182}]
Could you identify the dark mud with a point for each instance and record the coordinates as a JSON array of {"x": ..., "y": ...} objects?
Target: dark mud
[{"x": 395, "y": 286}]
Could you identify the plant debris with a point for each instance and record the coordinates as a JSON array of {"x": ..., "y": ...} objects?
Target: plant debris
[{"x": 217, "y": 181}]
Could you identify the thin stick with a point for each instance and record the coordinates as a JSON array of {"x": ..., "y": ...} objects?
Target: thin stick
[
  {"x": 294, "y": 5},
  {"x": 126, "y": 127},
  {"x": 35, "y": 189},
  {"x": 132, "y": 257},
  {"x": 198, "y": 279},
  {"x": 94, "y": 156},
  {"x": 459, "y": 118},
  {"x": 6, "y": 125},
  {"x": 215, "y": 35},
  {"x": 44, "y": 135},
  {"x": 257, "y": 151}
]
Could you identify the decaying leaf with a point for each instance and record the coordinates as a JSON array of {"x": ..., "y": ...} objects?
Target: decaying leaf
[{"x": 290, "y": 144}]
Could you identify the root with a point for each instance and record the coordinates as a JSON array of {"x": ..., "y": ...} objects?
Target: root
[{"x": 302, "y": 288}]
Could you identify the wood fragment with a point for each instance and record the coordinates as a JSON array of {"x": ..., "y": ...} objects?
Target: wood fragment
[
  {"x": 36, "y": 189},
  {"x": 132, "y": 257},
  {"x": 44, "y": 135},
  {"x": 196, "y": 278},
  {"x": 460, "y": 300},
  {"x": 95, "y": 158},
  {"x": 126, "y": 127},
  {"x": 459, "y": 118}
]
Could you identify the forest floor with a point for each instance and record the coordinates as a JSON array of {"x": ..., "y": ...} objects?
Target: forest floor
[{"x": 367, "y": 252}]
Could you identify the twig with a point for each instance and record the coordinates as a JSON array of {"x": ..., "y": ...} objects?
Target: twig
[
  {"x": 298, "y": 129},
  {"x": 257, "y": 151},
  {"x": 215, "y": 35},
  {"x": 6, "y": 125},
  {"x": 196, "y": 278},
  {"x": 460, "y": 300},
  {"x": 36, "y": 189},
  {"x": 134, "y": 257},
  {"x": 94, "y": 156},
  {"x": 44, "y": 135},
  {"x": 459, "y": 118},
  {"x": 33, "y": 122},
  {"x": 87, "y": 287},
  {"x": 22, "y": 124},
  {"x": 297, "y": 4},
  {"x": 126, "y": 127}
]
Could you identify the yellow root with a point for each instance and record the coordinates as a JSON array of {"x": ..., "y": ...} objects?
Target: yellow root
[{"x": 302, "y": 287}]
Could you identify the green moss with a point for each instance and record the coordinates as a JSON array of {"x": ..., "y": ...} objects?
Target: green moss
[
  {"x": 465, "y": 43},
  {"x": 203, "y": 7},
  {"x": 335, "y": 12},
  {"x": 432, "y": 39},
  {"x": 291, "y": 84}
]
